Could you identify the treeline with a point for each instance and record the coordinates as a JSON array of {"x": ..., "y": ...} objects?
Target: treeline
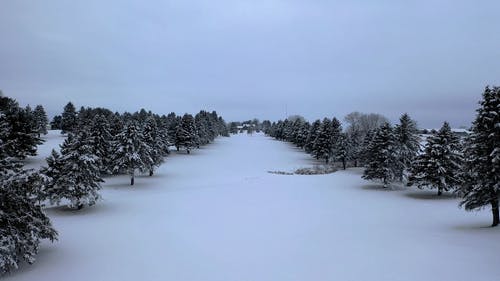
[
  {"x": 468, "y": 166},
  {"x": 99, "y": 143}
]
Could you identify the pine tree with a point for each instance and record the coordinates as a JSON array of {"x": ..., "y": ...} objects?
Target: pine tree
[
  {"x": 322, "y": 143},
  {"x": 336, "y": 149},
  {"x": 382, "y": 163},
  {"x": 20, "y": 139},
  {"x": 56, "y": 123},
  {"x": 302, "y": 134},
  {"x": 41, "y": 120},
  {"x": 155, "y": 153},
  {"x": 438, "y": 165},
  {"x": 186, "y": 133},
  {"x": 73, "y": 175},
  {"x": 408, "y": 144},
  {"x": 482, "y": 179},
  {"x": 101, "y": 141},
  {"x": 23, "y": 223},
  {"x": 130, "y": 151},
  {"x": 69, "y": 118},
  {"x": 313, "y": 133}
]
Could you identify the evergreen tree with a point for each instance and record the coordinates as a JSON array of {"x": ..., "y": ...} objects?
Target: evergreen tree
[
  {"x": 186, "y": 133},
  {"x": 69, "y": 118},
  {"x": 382, "y": 163},
  {"x": 130, "y": 151},
  {"x": 41, "y": 120},
  {"x": 155, "y": 152},
  {"x": 23, "y": 223},
  {"x": 438, "y": 165},
  {"x": 73, "y": 175},
  {"x": 20, "y": 138},
  {"x": 313, "y": 133},
  {"x": 302, "y": 134},
  {"x": 322, "y": 143},
  {"x": 56, "y": 123},
  {"x": 173, "y": 122},
  {"x": 101, "y": 141},
  {"x": 482, "y": 180},
  {"x": 408, "y": 144},
  {"x": 336, "y": 149}
]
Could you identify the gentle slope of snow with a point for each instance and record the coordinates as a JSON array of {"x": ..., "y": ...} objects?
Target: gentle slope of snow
[{"x": 218, "y": 215}]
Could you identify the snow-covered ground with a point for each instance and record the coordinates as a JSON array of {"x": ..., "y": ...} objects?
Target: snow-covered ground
[{"x": 218, "y": 215}]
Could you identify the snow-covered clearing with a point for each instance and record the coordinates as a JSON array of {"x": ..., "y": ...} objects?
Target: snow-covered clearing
[{"x": 217, "y": 214}]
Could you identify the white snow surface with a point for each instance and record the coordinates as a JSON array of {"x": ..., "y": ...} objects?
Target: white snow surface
[{"x": 217, "y": 214}]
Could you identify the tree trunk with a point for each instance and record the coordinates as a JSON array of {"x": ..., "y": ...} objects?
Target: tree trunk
[
  {"x": 176, "y": 147},
  {"x": 495, "y": 212},
  {"x": 132, "y": 180},
  {"x": 343, "y": 163},
  {"x": 356, "y": 163},
  {"x": 151, "y": 172},
  {"x": 439, "y": 192},
  {"x": 80, "y": 206},
  {"x": 326, "y": 160},
  {"x": 188, "y": 151}
]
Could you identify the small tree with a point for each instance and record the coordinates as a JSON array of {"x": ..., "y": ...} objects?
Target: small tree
[
  {"x": 23, "y": 223},
  {"x": 186, "y": 133},
  {"x": 155, "y": 153},
  {"x": 482, "y": 179},
  {"x": 408, "y": 144},
  {"x": 322, "y": 144},
  {"x": 74, "y": 175},
  {"x": 130, "y": 151},
  {"x": 439, "y": 164},
  {"x": 41, "y": 120},
  {"x": 69, "y": 118},
  {"x": 311, "y": 137},
  {"x": 382, "y": 163}
]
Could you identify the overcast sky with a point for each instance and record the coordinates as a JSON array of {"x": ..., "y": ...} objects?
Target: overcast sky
[{"x": 253, "y": 58}]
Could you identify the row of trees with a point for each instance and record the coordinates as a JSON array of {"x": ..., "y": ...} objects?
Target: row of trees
[
  {"x": 470, "y": 166},
  {"x": 325, "y": 139},
  {"x": 99, "y": 143}
]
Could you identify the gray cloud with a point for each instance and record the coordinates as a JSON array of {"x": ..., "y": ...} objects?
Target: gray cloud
[{"x": 250, "y": 59}]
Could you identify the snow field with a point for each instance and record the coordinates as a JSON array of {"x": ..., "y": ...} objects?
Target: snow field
[{"x": 217, "y": 214}]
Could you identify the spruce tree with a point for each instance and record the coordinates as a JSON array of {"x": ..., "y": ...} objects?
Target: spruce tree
[
  {"x": 155, "y": 150},
  {"x": 41, "y": 120},
  {"x": 313, "y": 133},
  {"x": 482, "y": 166},
  {"x": 322, "y": 143},
  {"x": 302, "y": 134},
  {"x": 69, "y": 118},
  {"x": 23, "y": 223},
  {"x": 20, "y": 138},
  {"x": 382, "y": 163},
  {"x": 130, "y": 151},
  {"x": 101, "y": 141},
  {"x": 56, "y": 123},
  {"x": 440, "y": 163},
  {"x": 336, "y": 149},
  {"x": 186, "y": 133},
  {"x": 74, "y": 175},
  {"x": 408, "y": 144}
]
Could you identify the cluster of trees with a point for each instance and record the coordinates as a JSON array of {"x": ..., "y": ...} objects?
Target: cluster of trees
[
  {"x": 469, "y": 166},
  {"x": 99, "y": 143},
  {"x": 326, "y": 139}
]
